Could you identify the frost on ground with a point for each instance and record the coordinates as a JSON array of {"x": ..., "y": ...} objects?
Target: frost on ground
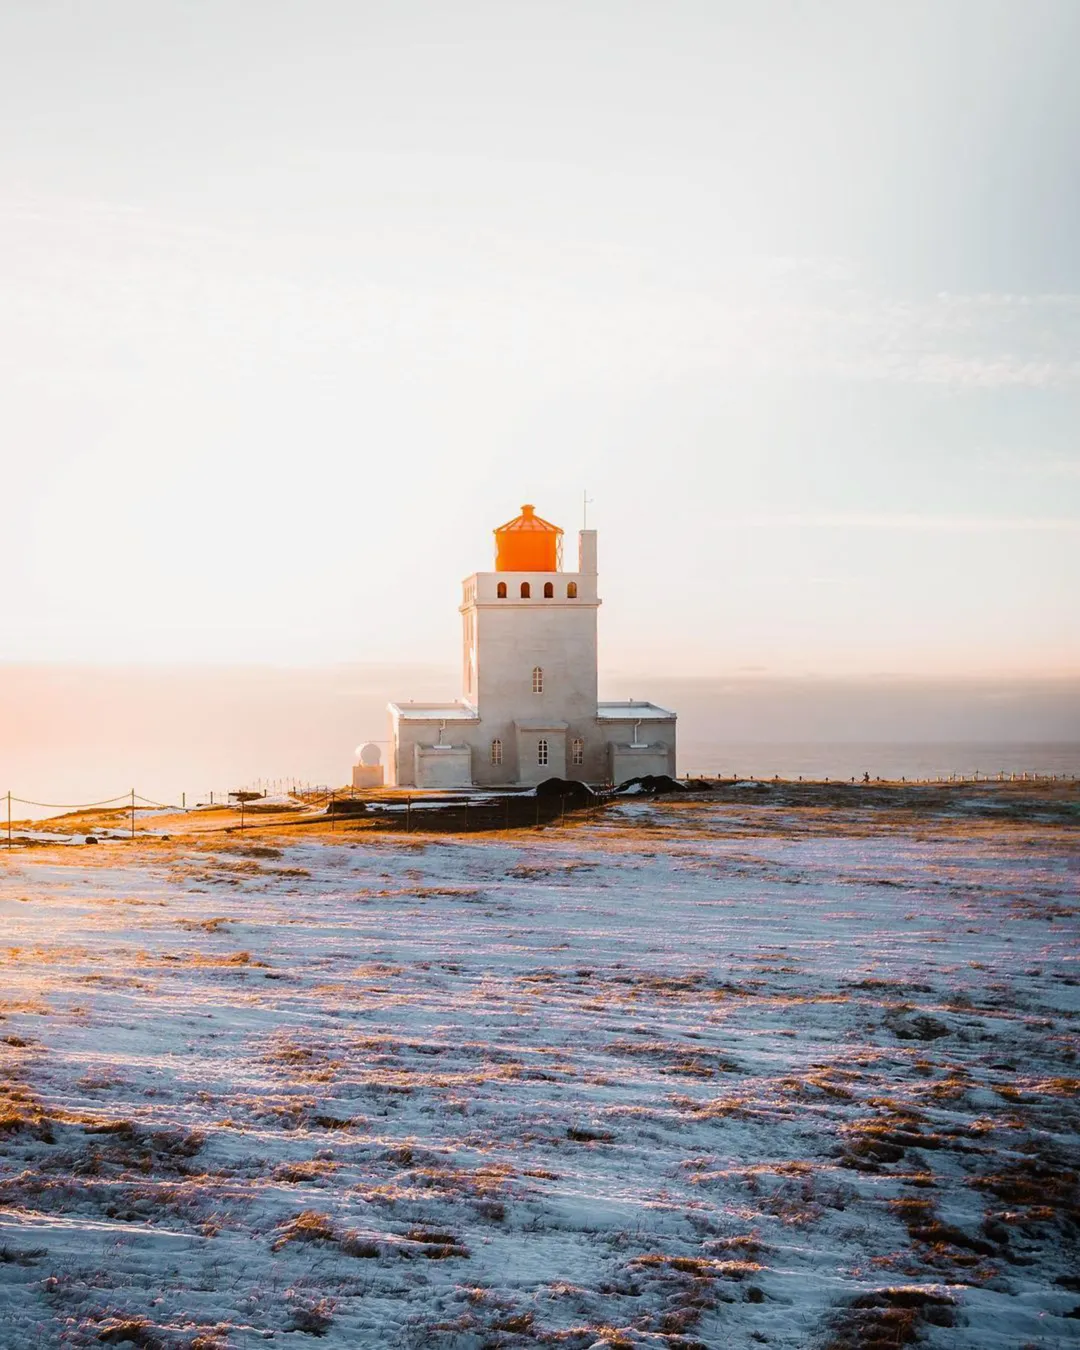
[{"x": 686, "y": 1075}]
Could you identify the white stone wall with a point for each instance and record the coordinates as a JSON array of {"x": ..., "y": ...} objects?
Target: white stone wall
[
  {"x": 503, "y": 640},
  {"x": 406, "y": 734},
  {"x": 442, "y": 766},
  {"x": 610, "y": 753},
  {"x": 631, "y": 761},
  {"x": 654, "y": 753},
  {"x": 530, "y": 770},
  {"x": 512, "y": 639},
  {"x": 483, "y": 588}
]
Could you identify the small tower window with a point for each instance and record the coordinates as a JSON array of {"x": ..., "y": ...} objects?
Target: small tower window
[
  {"x": 526, "y": 590},
  {"x": 549, "y": 591},
  {"x": 500, "y": 590},
  {"x": 496, "y": 752},
  {"x": 538, "y": 680},
  {"x": 577, "y": 751},
  {"x": 541, "y": 752},
  {"x": 571, "y": 590}
]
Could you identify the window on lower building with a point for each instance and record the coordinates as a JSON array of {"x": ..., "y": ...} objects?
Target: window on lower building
[
  {"x": 549, "y": 591},
  {"x": 571, "y": 590},
  {"x": 541, "y": 752},
  {"x": 538, "y": 680},
  {"x": 577, "y": 751},
  {"x": 526, "y": 590},
  {"x": 496, "y": 752},
  {"x": 500, "y": 591}
]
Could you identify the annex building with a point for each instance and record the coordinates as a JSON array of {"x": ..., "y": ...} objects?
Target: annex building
[{"x": 528, "y": 709}]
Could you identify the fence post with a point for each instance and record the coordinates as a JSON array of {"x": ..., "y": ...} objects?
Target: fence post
[
  {"x": 9, "y": 818},
  {"x": 133, "y": 813},
  {"x": 408, "y": 815},
  {"x": 241, "y": 811}
]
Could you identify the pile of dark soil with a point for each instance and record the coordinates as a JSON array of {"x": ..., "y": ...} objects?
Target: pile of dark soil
[
  {"x": 652, "y": 783},
  {"x": 347, "y": 806},
  {"x": 571, "y": 793}
]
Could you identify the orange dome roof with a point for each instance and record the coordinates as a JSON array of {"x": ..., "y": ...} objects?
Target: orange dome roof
[{"x": 528, "y": 543}]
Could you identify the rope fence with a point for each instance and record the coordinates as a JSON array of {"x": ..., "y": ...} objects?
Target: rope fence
[
  {"x": 472, "y": 814},
  {"x": 70, "y": 806},
  {"x": 131, "y": 802},
  {"x": 408, "y": 814},
  {"x": 864, "y": 779}
]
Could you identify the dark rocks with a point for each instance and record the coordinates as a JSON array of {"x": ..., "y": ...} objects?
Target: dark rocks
[
  {"x": 584, "y": 1136},
  {"x": 921, "y": 1027}
]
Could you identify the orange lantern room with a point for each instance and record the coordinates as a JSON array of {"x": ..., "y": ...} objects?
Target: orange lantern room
[{"x": 528, "y": 543}]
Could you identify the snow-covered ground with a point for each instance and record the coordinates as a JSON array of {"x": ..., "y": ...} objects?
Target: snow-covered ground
[{"x": 685, "y": 1075}]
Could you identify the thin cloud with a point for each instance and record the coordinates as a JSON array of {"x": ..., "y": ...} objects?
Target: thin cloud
[
  {"x": 861, "y": 520},
  {"x": 90, "y": 281}
]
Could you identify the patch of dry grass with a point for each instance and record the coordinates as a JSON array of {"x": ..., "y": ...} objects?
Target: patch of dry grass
[{"x": 884, "y": 1319}]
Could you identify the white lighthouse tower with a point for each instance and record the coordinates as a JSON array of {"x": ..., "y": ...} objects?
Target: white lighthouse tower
[{"x": 529, "y": 708}]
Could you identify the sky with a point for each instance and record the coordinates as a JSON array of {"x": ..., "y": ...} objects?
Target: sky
[{"x": 301, "y": 300}]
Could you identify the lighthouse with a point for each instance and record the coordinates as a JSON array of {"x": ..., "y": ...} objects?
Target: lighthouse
[{"x": 529, "y": 709}]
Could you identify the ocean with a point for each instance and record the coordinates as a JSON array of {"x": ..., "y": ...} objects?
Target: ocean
[{"x": 880, "y": 759}]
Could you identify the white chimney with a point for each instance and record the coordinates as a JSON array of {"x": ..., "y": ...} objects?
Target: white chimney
[{"x": 587, "y": 552}]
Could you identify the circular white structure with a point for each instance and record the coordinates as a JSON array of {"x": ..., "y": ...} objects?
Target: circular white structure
[{"x": 369, "y": 755}]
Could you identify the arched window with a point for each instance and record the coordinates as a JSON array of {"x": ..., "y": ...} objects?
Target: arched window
[
  {"x": 525, "y": 590},
  {"x": 541, "y": 751},
  {"x": 577, "y": 751},
  {"x": 549, "y": 591},
  {"x": 571, "y": 590},
  {"x": 500, "y": 590},
  {"x": 496, "y": 751},
  {"x": 538, "y": 680}
]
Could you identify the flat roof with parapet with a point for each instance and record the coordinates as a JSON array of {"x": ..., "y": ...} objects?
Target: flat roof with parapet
[
  {"x": 435, "y": 712},
  {"x": 631, "y": 710}
]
